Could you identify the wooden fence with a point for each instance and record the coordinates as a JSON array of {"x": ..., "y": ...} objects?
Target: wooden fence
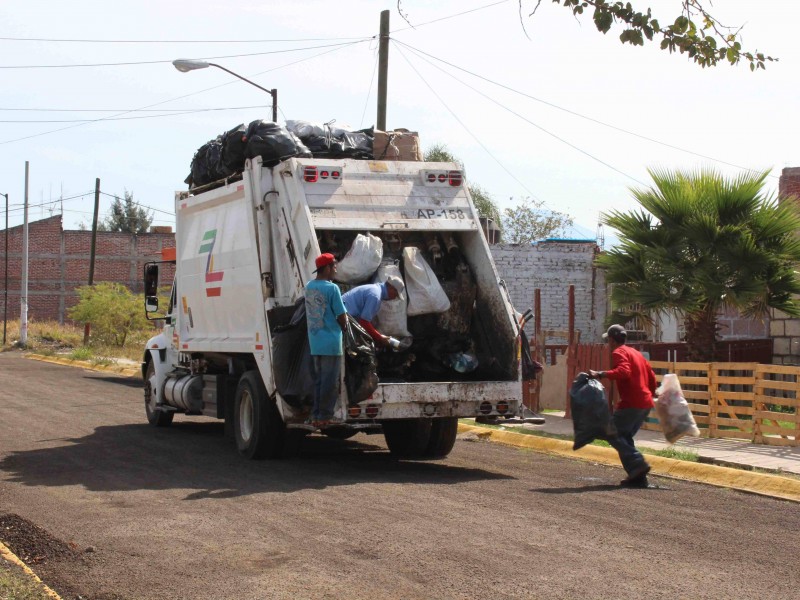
[{"x": 756, "y": 402}]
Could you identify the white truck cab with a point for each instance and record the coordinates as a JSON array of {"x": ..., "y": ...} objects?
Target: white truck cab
[{"x": 244, "y": 252}]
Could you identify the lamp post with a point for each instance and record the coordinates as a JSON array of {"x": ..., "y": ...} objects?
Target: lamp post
[
  {"x": 185, "y": 65},
  {"x": 5, "y": 287}
]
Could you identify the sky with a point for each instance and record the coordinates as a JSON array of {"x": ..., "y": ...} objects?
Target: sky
[{"x": 550, "y": 131}]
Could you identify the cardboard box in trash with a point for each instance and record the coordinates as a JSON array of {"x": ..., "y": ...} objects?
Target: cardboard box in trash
[{"x": 400, "y": 144}]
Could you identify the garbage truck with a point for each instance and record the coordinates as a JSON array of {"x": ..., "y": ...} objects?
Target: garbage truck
[{"x": 245, "y": 248}]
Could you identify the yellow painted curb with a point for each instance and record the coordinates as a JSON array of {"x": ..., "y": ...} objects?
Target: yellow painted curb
[
  {"x": 775, "y": 486},
  {"x": 13, "y": 558},
  {"x": 85, "y": 364}
]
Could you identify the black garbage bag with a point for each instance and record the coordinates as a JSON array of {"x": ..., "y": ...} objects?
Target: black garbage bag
[
  {"x": 530, "y": 367},
  {"x": 234, "y": 143},
  {"x": 360, "y": 364},
  {"x": 291, "y": 356},
  {"x": 207, "y": 165},
  {"x": 591, "y": 417},
  {"x": 302, "y": 151},
  {"x": 270, "y": 141}
]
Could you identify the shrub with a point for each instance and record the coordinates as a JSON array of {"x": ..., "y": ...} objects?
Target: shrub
[{"x": 113, "y": 311}]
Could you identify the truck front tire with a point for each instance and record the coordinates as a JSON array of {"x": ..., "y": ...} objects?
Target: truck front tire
[
  {"x": 258, "y": 428},
  {"x": 155, "y": 416}
]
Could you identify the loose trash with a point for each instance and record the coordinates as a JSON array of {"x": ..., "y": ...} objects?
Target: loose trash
[
  {"x": 673, "y": 411},
  {"x": 463, "y": 362},
  {"x": 591, "y": 417}
]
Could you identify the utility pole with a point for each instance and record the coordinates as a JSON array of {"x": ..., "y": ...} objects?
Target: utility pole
[
  {"x": 23, "y": 299},
  {"x": 88, "y": 326},
  {"x": 5, "y": 287},
  {"x": 383, "y": 69}
]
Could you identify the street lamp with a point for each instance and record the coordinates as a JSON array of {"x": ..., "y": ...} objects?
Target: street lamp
[
  {"x": 186, "y": 65},
  {"x": 5, "y": 289}
]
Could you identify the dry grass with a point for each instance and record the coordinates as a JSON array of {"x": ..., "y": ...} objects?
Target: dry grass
[
  {"x": 51, "y": 337},
  {"x": 15, "y": 584}
]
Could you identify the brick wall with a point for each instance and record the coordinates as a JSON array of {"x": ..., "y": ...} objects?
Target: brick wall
[
  {"x": 789, "y": 182},
  {"x": 58, "y": 262},
  {"x": 552, "y": 267}
]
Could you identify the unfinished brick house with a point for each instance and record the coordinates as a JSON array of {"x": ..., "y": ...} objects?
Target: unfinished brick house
[{"x": 58, "y": 263}]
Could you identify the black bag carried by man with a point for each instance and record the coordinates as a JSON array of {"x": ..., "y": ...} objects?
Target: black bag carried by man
[{"x": 591, "y": 417}]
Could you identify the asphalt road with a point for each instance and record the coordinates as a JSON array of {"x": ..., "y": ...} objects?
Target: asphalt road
[{"x": 176, "y": 513}]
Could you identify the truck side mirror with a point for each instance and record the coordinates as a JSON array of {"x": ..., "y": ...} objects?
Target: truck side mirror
[
  {"x": 150, "y": 303},
  {"x": 150, "y": 282}
]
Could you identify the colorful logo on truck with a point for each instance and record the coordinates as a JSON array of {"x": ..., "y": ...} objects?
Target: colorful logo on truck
[{"x": 213, "y": 278}]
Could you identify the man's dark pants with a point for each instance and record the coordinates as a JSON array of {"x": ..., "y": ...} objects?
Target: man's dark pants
[{"x": 628, "y": 421}]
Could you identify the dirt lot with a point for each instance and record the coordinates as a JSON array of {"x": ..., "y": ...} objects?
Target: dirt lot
[{"x": 130, "y": 512}]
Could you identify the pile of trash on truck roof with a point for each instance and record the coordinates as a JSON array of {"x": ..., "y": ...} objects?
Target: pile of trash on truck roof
[{"x": 224, "y": 156}]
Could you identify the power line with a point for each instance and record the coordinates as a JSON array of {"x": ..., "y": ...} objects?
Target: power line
[
  {"x": 574, "y": 113},
  {"x": 539, "y": 127},
  {"x": 117, "y": 197},
  {"x": 155, "y": 62},
  {"x": 472, "y": 10},
  {"x": 467, "y": 129},
  {"x": 158, "y": 110},
  {"x": 97, "y": 41},
  {"x": 369, "y": 89},
  {"x": 27, "y": 137},
  {"x": 169, "y": 114}
]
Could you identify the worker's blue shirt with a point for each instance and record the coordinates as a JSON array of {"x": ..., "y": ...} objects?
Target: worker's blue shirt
[
  {"x": 323, "y": 305},
  {"x": 364, "y": 301}
]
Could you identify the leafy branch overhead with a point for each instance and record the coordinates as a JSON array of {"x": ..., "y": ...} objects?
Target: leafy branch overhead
[{"x": 694, "y": 32}]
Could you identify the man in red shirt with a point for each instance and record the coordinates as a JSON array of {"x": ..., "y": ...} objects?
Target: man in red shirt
[{"x": 636, "y": 383}]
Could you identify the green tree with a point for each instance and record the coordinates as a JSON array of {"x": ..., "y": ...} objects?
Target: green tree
[
  {"x": 483, "y": 201},
  {"x": 529, "y": 221},
  {"x": 113, "y": 311},
  {"x": 127, "y": 216},
  {"x": 701, "y": 243},
  {"x": 694, "y": 32}
]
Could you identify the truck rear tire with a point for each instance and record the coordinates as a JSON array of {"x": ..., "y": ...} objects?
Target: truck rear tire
[
  {"x": 258, "y": 428},
  {"x": 407, "y": 438},
  {"x": 155, "y": 416},
  {"x": 443, "y": 437}
]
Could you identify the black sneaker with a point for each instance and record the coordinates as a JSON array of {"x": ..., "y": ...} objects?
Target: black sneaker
[
  {"x": 638, "y": 472},
  {"x": 640, "y": 483}
]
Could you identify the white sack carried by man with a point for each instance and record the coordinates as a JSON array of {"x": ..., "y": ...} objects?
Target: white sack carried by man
[
  {"x": 425, "y": 293},
  {"x": 673, "y": 411},
  {"x": 361, "y": 261}
]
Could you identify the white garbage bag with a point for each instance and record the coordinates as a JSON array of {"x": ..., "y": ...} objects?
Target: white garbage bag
[
  {"x": 361, "y": 261},
  {"x": 673, "y": 411},
  {"x": 425, "y": 293},
  {"x": 392, "y": 319},
  {"x": 305, "y": 129}
]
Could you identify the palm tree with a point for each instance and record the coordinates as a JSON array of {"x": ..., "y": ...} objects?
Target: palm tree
[{"x": 701, "y": 243}]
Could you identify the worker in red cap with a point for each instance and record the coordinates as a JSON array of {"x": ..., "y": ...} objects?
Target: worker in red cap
[{"x": 326, "y": 317}]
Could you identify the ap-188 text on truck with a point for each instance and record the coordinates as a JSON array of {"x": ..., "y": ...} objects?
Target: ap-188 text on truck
[{"x": 234, "y": 342}]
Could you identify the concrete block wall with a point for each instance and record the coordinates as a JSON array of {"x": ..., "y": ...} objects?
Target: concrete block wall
[
  {"x": 552, "y": 267},
  {"x": 784, "y": 330},
  {"x": 58, "y": 262}
]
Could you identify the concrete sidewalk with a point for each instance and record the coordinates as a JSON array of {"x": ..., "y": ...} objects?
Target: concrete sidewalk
[{"x": 726, "y": 451}]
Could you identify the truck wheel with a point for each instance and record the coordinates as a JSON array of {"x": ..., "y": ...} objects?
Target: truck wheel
[
  {"x": 340, "y": 433},
  {"x": 258, "y": 428},
  {"x": 407, "y": 438},
  {"x": 443, "y": 437},
  {"x": 156, "y": 417}
]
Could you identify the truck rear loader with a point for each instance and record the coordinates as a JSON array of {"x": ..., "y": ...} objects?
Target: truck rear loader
[{"x": 245, "y": 250}]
